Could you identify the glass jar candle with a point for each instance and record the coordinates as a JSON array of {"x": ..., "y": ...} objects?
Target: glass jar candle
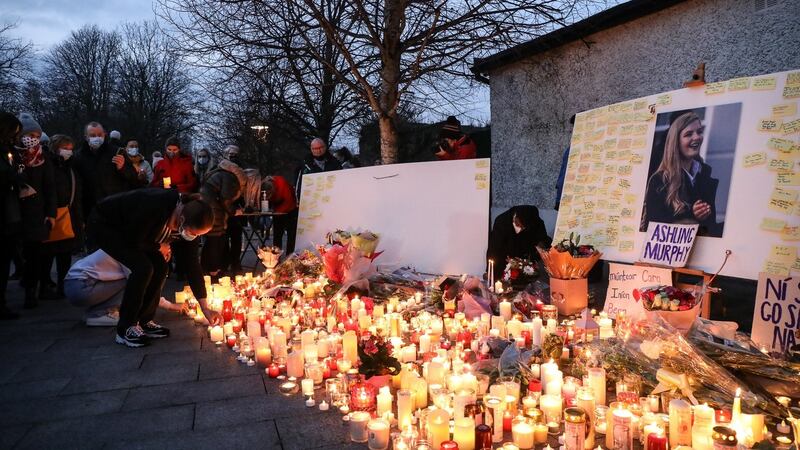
[
  {"x": 575, "y": 428},
  {"x": 724, "y": 438},
  {"x": 549, "y": 312}
]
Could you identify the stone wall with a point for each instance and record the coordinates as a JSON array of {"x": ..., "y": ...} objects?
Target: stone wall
[{"x": 533, "y": 99}]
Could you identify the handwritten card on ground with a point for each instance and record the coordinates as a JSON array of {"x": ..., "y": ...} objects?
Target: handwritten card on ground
[
  {"x": 776, "y": 322},
  {"x": 668, "y": 244},
  {"x": 623, "y": 279}
]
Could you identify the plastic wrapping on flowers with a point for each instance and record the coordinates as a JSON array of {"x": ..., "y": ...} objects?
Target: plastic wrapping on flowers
[
  {"x": 298, "y": 266},
  {"x": 665, "y": 359}
]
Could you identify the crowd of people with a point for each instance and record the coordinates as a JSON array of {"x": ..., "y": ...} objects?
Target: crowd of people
[{"x": 135, "y": 221}]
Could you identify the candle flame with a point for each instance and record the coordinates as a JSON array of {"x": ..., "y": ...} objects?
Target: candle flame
[{"x": 738, "y": 392}]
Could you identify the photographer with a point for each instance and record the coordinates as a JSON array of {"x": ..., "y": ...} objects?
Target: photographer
[{"x": 453, "y": 144}]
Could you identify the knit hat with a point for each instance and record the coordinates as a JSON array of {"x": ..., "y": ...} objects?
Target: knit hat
[
  {"x": 45, "y": 139},
  {"x": 115, "y": 135},
  {"x": 451, "y": 129},
  {"x": 29, "y": 124}
]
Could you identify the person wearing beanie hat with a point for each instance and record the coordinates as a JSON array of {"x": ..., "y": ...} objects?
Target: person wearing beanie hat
[{"x": 453, "y": 144}]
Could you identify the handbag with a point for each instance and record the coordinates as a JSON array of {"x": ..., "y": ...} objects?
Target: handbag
[{"x": 62, "y": 228}]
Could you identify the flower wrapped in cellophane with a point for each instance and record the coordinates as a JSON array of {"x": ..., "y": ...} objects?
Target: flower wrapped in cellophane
[
  {"x": 679, "y": 307},
  {"x": 667, "y": 362},
  {"x": 568, "y": 260},
  {"x": 269, "y": 256},
  {"x": 345, "y": 263},
  {"x": 366, "y": 242},
  {"x": 298, "y": 266}
]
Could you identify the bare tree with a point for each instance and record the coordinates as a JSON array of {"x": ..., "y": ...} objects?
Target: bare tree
[
  {"x": 153, "y": 95},
  {"x": 14, "y": 67}
]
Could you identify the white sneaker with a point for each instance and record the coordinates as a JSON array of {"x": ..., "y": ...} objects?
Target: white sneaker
[{"x": 108, "y": 320}]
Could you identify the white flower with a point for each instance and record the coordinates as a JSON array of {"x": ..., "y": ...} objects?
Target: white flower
[{"x": 528, "y": 270}]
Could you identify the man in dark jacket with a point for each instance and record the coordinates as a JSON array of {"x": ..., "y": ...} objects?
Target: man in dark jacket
[
  {"x": 515, "y": 234},
  {"x": 10, "y": 218},
  {"x": 103, "y": 172},
  {"x": 320, "y": 160}
]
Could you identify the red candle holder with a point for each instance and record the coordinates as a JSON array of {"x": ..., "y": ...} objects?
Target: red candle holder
[
  {"x": 656, "y": 441},
  {"x": 449, "y": 445},
  {"x": 231, "y": 340},
  {"x": 362, "y": 395},
  {"x": 227, "y": 310},
  {"x": 273, "y": 370},
  {"x": 723, "y": 416}
]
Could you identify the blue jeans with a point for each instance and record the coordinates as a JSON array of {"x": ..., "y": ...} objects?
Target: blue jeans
[{"x": 97, "y": 296}]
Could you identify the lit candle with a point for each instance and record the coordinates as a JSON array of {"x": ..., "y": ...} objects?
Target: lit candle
[
  {"x": 523, "y": 433},
  {"x": 622, "y": 431},
  {"x": 350, "y": 347},
  {"x": 505, "y": 310},
  {"x": 585, "y": 401},
  {"x": 702, "y": 427},
  {"x": 384, "y": 401},
  {"x": 424, "y": 343},
  {"x": 597, "y": 381},
  {"x": 263, "y": 351},
  {"x": 216, "y": 334},
  {"x": 540, "y": 433},
  {"x": 405, "y": 404},
  {"x": 294, "y": 365},
  {"x": 378, "y": 430},
  {"x": 680, "y": 423},
  {"x": 420, "y": 388},
  {"x": 438, "y": 427},
  {"x": 307, "y": 385},
  {"x": 551, "y": 407},
  {"x": 167, "y": 182},
  {"x": 358, "y": 426},
  {"x": 464, "y": 433}
]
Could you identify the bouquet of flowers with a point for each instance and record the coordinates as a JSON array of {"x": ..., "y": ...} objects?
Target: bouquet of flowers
[
  {"x": 269, "y": 256},
  {"x": 569, "y": 260},
  {"x": 519, "y": 271},
  {"x": 376, "y": 357},
  {"x": 350, "y": 261},
  {"x": 340, "y": 237},
  {"x": 298, "y": 266},
  {"x": 676, "y": 306}
]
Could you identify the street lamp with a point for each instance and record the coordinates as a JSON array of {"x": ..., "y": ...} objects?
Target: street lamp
[{"x": 260, "y": 131}]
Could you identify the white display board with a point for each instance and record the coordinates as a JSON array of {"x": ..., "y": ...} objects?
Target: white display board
[
  {"x": 433, "y": 216},
  {"x": 748, "y": 134}
]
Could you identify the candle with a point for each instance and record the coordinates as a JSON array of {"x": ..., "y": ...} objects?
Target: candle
[
  {"x": 358, "y": 426},
  {"x": 680, "y": 423},
  {"x": 505, "y": 310},
  {"x": 216, "y": 334},
  {"x": 294, "y": 365},
  {"x": 621, "y": 432},
  {"x": 310, "y": 402},
  {"x": 514, "y": 328},
  {"x": 405, "y": 404},
  {"x": 167, "y": 182},
  {"x": 307, "y": 385},
  {"x": 384, "y": 401},
  {"x": 436, "y": 371},
  {"x": 522, "y": 432},
  {"x": 597, "y": 381},
  {"x": 702, "y": 427},
  {"x": 568, "y": 390},
  {"x": 540, "y": 433},
  {"x": 464, "y": 433},
  {"x": 263, "y": 351},
  {"x": 323, "y": 406},
  {"x": 536, "y": 331},
  {"x": 420, "y": 388},
  {"x": 657, "y": 441},
  {"x": 755, "y": 425},
  {"x": 424, "y": 343},
  {"x": 378, "y": 434},
  {"x": 350, "y": 347},
  {"x": 585, "y": 401},
  {"x": 438, "y": 427},
  {"x": 551, "y": 407}
]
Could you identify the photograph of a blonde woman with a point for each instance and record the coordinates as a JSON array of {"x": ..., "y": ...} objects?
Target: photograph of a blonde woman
[{"x": 691, "y": 166}]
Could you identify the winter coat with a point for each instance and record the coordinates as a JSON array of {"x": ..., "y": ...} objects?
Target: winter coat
[
  {"x": 179, "y": 169},
  {"x": 282, "y": 199},
  {"x": 41, "y": 205},
  {"x": 10, "y": 214},
  {"x": 464, "y": 148},
  {"x": 144, "y": 171},
  {"x": 202, "y": 173},
  {"x": 704, "y": 188},
  {"x": 223, "y": 187},
  {"x": 327, "y": 164},
  {"x": 504, "y": 242},
  {"x": 99, "y": 176},
  {"x": 63, "y": 183}
]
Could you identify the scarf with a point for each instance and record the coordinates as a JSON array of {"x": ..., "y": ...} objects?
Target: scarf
[{"x": 31, "y": 157}]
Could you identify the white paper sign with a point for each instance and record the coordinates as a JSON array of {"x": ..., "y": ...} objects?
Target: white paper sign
[
  {"x": 668, "y": 244},
  {"x": 623, "y": 279},
  {"x": 776, "y": 319}
]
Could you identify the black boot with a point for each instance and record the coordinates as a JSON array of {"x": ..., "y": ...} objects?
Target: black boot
[
  {"x": 30, "y": 298},
  {"x": 7, "y": 314}
]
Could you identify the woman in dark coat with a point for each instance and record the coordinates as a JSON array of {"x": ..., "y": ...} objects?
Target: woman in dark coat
[
  {"x": 37, "y": 204},
  {"x": 10, "y": 218},
  {"x": 682, "y": 190},
  {"x": 68, "y": 190},
  {"x": 515, "y": 234}
]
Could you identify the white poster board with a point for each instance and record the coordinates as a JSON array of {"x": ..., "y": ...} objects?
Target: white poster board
[
  {"x": 748, "y": 136},
  {"x": 623, "y": 279},
  {"x": 433, "y": 216},
  {"x": 776, "y": 319},
  {"x": 668, "y": 244}
]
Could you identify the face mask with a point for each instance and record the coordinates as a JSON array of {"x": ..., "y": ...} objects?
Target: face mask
[
  {"x": 29, "y": 142},
  {"x": 233, "y": 157},
  {"x": 203, "y": 160},
  {"x": 65, "y": 153},
  {"x": 187, "y": 236},
  {"x": 171, "y": 154},
  {"x": 517, "y": 229},
  {"x": 96, "y": 142},
  {"x": 133, "y": 151}
]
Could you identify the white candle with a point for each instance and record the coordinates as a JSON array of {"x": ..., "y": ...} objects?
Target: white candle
[
  {"x": 307, "y": 385},
  {"x": 680, "y": 423},
  {"x": 378, "y": 430},
  {"x": 522, "y": 433},
  {"x": 420, "y": 388},
  {"x": 464, "y": 433},
  {"x": 405, "y": 404},
  {"x": 263, "y": 351},
  {"x": 439, "y": 427},
  {"x": 551, "y": 406},
  {"x": 436, "y": 371},
  {"x": 536, "y": 335},
  {"x": 514, "y": 328},
  {"x": 622, "y": 430},
  {"x": 350, "y": 347},
  {"x": 702, "y": 427},
  {"x": 597, "y": 381},
  {"x": 585, "y": 400},
  {"x": 505, "y": 310},
  {"x": 424, "y": 343},
  {"x": 358, "y": 426},
  {"x": 216, "y": 334},
  {"x": 384, "y": 401},
  {"x": 294, "y": 365}
]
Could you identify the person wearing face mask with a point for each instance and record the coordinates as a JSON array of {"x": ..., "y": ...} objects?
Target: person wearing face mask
[
  {"x": 203, "y": 165},
  {"x": 135, "y": 228},
  {"x": 37, "y": 205},
  {"x": 320, "y": 160},
  {"x": 156, "y": 157},
  {"x": 10, "y": 216},
  {"x": 140, "y": 164},
  {"x": 515, "y": 234},
  {"x": 68, "y": 189},
  {"x": 101, "y": 169}
]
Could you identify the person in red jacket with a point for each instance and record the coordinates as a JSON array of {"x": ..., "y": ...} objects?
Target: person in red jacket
[
  {"x": 177, "y": 166},
  {"x": 453, "y": 144},
  {"x": 282, "y": 200}
]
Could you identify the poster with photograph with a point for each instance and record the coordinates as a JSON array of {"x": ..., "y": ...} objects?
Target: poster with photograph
[{"x": 722, "y": 156}]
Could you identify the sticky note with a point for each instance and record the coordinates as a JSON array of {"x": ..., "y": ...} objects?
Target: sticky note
[
  {"x": 624, "y": 155},
  {"x": 765, "y": 83},
  {"x": 481, "y": 185},
  {"x": 770, "y": 224},
  {"x": 624, "y": 183},
  {"x": 637, "y": 158},
  {"x": 791, "y": 91},
  {"x": 630, "y": 198},
  {"x": 625, "y": 170},
  {"x": 664, "y": 99},
  {"x": 628, "y": 230},
  {"x": 776, "y": 268},
  {"x": 626, "y": 246},
  {"x": 627, "y": 213},
  {"x": 624, "y": 144},
  {"x": 791, "y": 234},
  {"x": 781, "y": 164},
  {"x": 626, "y": 130},
  {"x": 784, "y": 109},
  {"x": 770, "y": 125},
  {"x": 783, "y": 253},
  {"x": 781, "y": 145},
  {"x": 481, "y": 177},
  {"x": 639, "y": 142},
  {"x": 639, "y": 104},
  {"x": 610, "y": 143},
  {"x": 481, "y": 164},
  {"x": 791, "y": 127},
  {"x": 739, "y": 84},
  {"x": 788, "y": 179},
  {"x": 782, "y": 200},
  {"x": 755, "y": 159},
  {"x": 793, "y": 79},
  {"x": 715, "y": 88}
]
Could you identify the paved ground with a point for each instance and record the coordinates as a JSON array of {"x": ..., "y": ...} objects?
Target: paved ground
[{"x": 63, "y": 385}]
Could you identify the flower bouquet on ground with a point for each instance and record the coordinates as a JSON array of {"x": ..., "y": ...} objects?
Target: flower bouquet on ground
[
  {"x": 269, "y": 256},
  {"x": 519, "y": 272},
  {"x": 375, "y": 354},
  {"x": 298, "y": 266},
  {"x": 678, "y": 307},
  {"x": 568, "y": 263},
  {"x": 349, "y": 256}
]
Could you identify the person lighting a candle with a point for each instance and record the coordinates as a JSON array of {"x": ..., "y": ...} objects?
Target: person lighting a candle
[{"x": 131, "y": 228}]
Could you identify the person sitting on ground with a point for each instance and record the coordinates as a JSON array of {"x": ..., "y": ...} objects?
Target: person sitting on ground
[
  {"x": 515, "y": 234},
  {"x": 140, "y": 164},
  {"x": 133, "y": 228},
  {"x": 282, "y": 200},
  {"x": 453, "y": 144}
]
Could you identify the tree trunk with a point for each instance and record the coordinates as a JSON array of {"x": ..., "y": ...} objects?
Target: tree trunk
[{"x": 390, "y": 153}]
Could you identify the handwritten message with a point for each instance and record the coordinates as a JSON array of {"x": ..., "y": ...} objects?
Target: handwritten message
[
  {"x": 623, "y": 279},
  {"x": 669, "y": 244},
  {"x": 776, "y": 318}
]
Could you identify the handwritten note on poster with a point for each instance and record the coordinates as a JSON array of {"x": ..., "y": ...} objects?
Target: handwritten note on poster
[
  {"x": 623, "y": 279},
  {"x": 668, "y": 244},
  {"x": 776, "y": 323}
]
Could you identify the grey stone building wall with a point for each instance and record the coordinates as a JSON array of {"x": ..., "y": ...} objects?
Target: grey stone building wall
[{"x": 533, "y": 99}]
